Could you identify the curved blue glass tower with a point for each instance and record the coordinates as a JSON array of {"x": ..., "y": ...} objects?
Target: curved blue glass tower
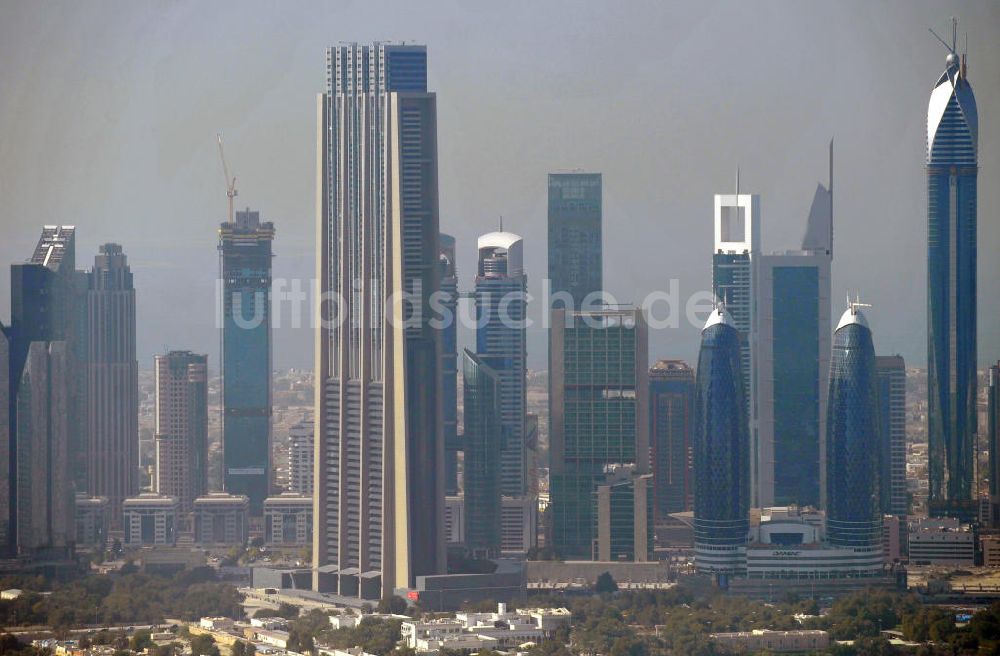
[
  {"x": 721, "y": 451},
  {"x": 952, "y": 170},
  {"x": 853, "y": 516}
]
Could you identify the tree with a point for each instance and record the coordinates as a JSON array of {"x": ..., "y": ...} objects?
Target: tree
[
  {"x": 394, "y": 605},
  {"x": 203, "y": 645},
  {"x": 140, "y": 640},
  {"x": 605, "y": 584},
  {"x": 243, "y": 648}
]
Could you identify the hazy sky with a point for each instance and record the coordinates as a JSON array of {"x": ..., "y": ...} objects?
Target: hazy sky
[{"x": 109, "y": 110}]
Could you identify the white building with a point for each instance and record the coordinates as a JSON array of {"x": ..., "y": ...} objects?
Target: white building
[
  {"x": 288, "y": 520},
  {"x": 943, "y": 541},
  {"x": 301, "y": 457},
  {"x": 518, "y": 524}
]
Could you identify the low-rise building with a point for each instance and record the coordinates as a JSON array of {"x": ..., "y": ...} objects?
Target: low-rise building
[
  {"x": 92, "y": 521},
  {"x": 150, "y": 519},
  {"x": 991, "y": 550},
  {"x": 216, "y": 623},
  {"x": 288, "y": 520},
  {"x": 805, "y": 640},
  {"x": 942, "y": 541},
  {"x": 221, "y": 519}
]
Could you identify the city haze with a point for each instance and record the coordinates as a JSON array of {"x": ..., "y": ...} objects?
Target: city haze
[{"x": 109, "y": 113}]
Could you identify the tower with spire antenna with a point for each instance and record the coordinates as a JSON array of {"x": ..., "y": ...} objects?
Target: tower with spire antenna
[{"x": 952, "y": 166}]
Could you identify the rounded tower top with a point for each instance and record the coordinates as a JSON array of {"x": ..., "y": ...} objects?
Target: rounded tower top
[
  {"x": 719, "y": 316},
  {"x": 853, "y": 315}
]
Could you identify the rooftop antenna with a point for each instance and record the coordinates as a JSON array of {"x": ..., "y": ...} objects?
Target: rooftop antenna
[
  {"x": 954, "y": 36},
  {"x": 501, "y": 223},
  {"x": 831, "y": 196}
]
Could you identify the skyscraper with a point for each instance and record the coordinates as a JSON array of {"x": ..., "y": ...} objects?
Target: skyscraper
[
  {"x": 599, "y": 421},
  {"x": 449, "y": 364},
  {"x": 46, "y": 526},
  {"x": 952, "y": 172},
  {"x": 379, "y": 494},
  {"x": 501, "y": 303},
  {"x": 853, "y": 515},
  {"x": 46, "y": 309},
  {"x": 8, "y": 474},
  {"x": 181, "y": 430},
  {"x": 501, "y": 310},
  {"x": 791, "y": 362},
  {"x": 891, "y": 371},
  {"x": 574, "y": 234},
  {"x": 245, "y": 261},
  {"x": 483, "y": 435},
  {"x": 671, "y": 416},
  {"x": 993, "y": 441},
  {"x": 301, "y": 457},
  {"x": 721, "y": 451},
  {"x": 112, "y": 382},
  {"x": 734, "y": 283}
]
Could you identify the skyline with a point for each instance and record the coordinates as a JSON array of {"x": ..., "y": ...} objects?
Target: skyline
[{"x": 130, "y": 145}]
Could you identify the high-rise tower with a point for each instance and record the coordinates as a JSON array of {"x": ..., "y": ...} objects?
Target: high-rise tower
[
  {"x": 483, "y": 435},
  {"x": 599, "y": 427},
  {"x": 891, "y": 371},
  {"x": 245, "y": 252},
  {"x": 574, "y": 234},
  {"x": 734, "y": 283},
  {"x": 379, "y": 486},
  {"x": 449, "y": 363},
  {"x": 112, "y": 382},
  {"x": 791, "y": 363},
  {"x": 993, "y": 441},
  {"x": 952, "y": 172},
  {"x": 853, "y": 513},
  {"x": 671, "y": 416},
  {"x": 501, "y": 311},
  {"x": 182, "y": 427},
  {"x": 721, "y": 451}
]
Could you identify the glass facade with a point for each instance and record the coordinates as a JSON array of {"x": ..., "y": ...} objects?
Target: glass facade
[
  {"x": 671, "y": 415},
  {"x": 732, "y": 284},
  {"x": 952, "y": 172},
  {"x": 483, "y": 444},
  {"x": 501, "y": 307},
  {"x": 796, "y": 376},
  {"x": 449, "y": 364},
  {"x": 596, "y": 416},
  {"x": 721, "y": 450},
  {"x": 853, "y": 513},
  {"x": 245, "y": 249},
  {"x": 993, "y": 441},
  {"x": 574, "y": 233}
]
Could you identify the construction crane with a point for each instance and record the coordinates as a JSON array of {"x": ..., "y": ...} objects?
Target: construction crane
[{"x": 231, "y": 192}]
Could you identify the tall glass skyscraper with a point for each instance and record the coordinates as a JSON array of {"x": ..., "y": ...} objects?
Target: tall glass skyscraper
[
  {"x": 671, "y": 417},
  {"x": 501, "y": 309},
  {"x": 245, "y": 252},
  {"x": 993, "y": 441},
  {"x": 952, "y": 172},
  {"x": 449, "y": 364},
  {"x": 734, "y": 283},
  {"x": 791, "y": 362},
  {"x": 575, "y": 247},
  {"x": 853, "y": 513},
  {"x": 482, "y": 389},
  {"x": 379, "y": 495},
  {"x": 721, "y": 451},
  {"x": 501, "y": 305},
  {"x": 599, "y": 420}
]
